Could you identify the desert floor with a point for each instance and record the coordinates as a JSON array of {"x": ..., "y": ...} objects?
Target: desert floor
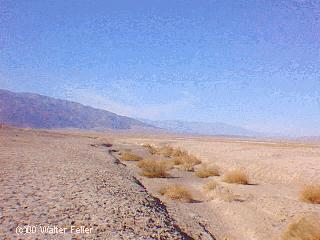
[
  {"x": 277, "y": 171},
  {"x": 63, "y": 180},
  {"x": 70, "y": 178}
]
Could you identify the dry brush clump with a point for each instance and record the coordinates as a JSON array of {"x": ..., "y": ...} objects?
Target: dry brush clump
[
  {"x": 235, "y": 176},
  {"x": 205, "y": 171},
  {"x": 306, "y": 228},
  {"x": 311, "y": 194},
  {"x": 213, "y": 190},
  {"x": 189, "y": 162},
  {"x": 166, "y": 151},
  {"x": 155, "y": 168},
  {"x": 169, "y": 151},
  {"x": 179, "y": 156},
  {"x": 129, "y": 156},
  {"x": 178, "y": 161},
  {"x": 176, "y": 192},
  {"x": 210, "y": 186},
  {"x": 178, "y": 152},
  {"x": 151, "y": 149},
  {"x": 186, "y": 160},
  {"x": 172, "y": 152}
]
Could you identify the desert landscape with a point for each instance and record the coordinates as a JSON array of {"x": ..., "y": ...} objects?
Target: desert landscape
[
  {"x": 160, "y": 120},
  {"x": 102, "y": 181}
]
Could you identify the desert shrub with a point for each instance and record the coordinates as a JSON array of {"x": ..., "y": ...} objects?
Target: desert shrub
[
  {"x": 306, "y": 228},
  {"x": 151, "y": 149},
  {"x": 166, "y": 151},
  {"x": 311, "y": 194},
  {"x": 187, "y": 161},
  {"x": 178, "y": 161},
  {"x": 179, "y": 157},
  {"x": 176, "y": 192},
  {"x": 129, "y": 156},
  {"x": 216, "y": 191},
  {"x": 178, "y": 152},
  {"x": 155, "y": 169},
  {"x": 205, "y": 171},
  {"x": 236, "y": 176},
  {"x": 209, "y": 186}
]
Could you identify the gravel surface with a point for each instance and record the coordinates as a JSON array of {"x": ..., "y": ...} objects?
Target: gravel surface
[{"x": 60, "y": 180}]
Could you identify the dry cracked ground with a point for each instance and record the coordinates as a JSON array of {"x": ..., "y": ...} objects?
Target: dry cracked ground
[{"x": 64, "y": 180}]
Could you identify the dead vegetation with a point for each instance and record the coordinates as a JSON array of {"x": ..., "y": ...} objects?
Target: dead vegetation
[
  {"x": 205, "y": 171},
  {"x": 186, "y": 160},
  {"x": 311, "y": 194},
  {"x": 189, "y": 162},
  {"x": 306, "y": 228},
  {"x": 155, "y": 168},
  {"x": 166, "y": 151},
  {"x": 235, "y": 176},
  {"x": 209, "y": 186},
  {"x": 129, "y": 156},
  {"x": 214, "y": 190},
  {"x": 178, "y": 152},
  {"x": 179, "y": 156},
  {"x": 151, "y": 149},
  {"x": 176, "y": 192}
]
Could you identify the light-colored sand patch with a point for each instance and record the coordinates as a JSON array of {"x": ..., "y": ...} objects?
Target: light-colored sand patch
[{"x": 277, "y": 172}]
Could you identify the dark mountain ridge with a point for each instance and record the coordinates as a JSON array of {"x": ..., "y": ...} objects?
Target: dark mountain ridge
[{"x": 38, "y": 111}]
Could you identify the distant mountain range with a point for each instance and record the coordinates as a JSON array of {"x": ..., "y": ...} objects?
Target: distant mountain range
[
  {"x": 215, "y": 128},
  {"x": 37, "y": 111}
]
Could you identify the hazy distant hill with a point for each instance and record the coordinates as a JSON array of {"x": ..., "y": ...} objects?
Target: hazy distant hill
[
  {"x": 309, "y": 138},
  {"x": 215, "y": 128},
  {"x": 37, "y": 111}
]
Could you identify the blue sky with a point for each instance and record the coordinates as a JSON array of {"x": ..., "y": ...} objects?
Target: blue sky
[{"x": 249, "y": 63}]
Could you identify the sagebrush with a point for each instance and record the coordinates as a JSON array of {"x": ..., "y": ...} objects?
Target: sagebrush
[
  {"x": 155, "y": 168},
  {"x": 311, "y": 194},
  {"x": 151, "y": 149},
  {"x": 236, "y": 176},
  {"x": 306, "y": 228},
  {"x": 176, "y": 192},
  {"x": 205, "y": 171},
  {"x": 129, "y": 156}
]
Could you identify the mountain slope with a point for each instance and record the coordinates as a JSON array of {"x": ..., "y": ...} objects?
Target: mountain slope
[
  {"x": 37, "y": 111},
  {"x": 215, "y": 128}
]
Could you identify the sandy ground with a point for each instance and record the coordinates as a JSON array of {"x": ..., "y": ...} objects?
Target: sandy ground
[
  {"x": 59, "y": 178},
  {"x": 277, "y": 171}
]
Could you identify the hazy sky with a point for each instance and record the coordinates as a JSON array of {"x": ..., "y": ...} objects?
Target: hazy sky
[{"x": 250, "y": 63}]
